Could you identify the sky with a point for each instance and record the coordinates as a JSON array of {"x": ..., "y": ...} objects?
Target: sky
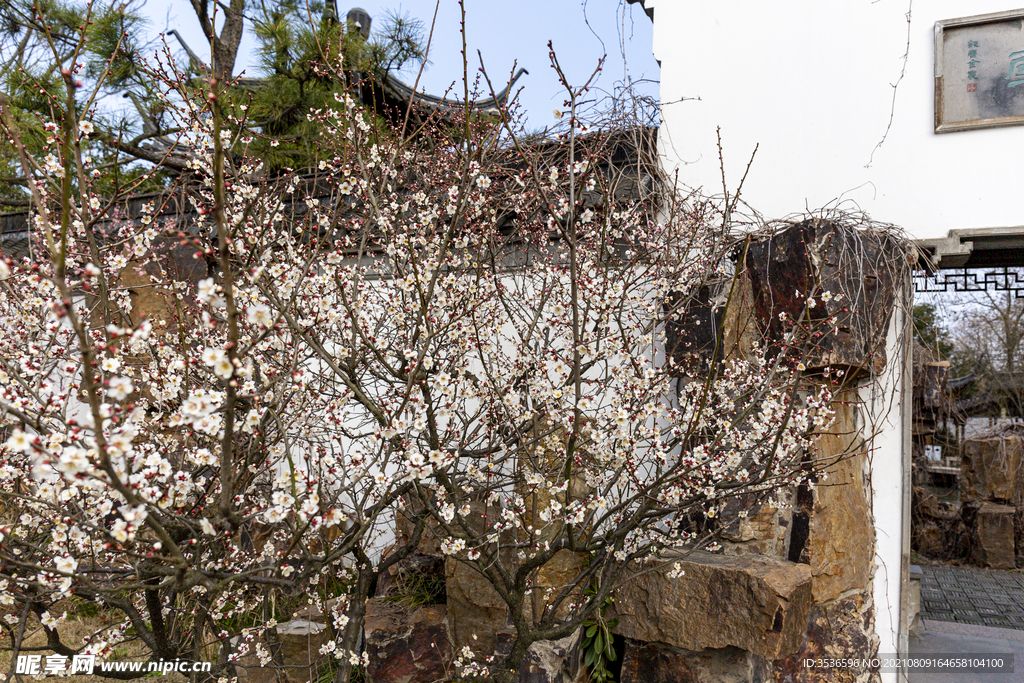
[{"x": 506, "y": 33}]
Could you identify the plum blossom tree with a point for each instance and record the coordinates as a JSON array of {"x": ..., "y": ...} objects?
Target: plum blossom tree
[{"x": 447, "y": 324}]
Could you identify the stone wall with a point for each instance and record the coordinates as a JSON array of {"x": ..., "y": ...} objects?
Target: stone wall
[
  {"x": 992, "y": 499},
  {"x": 827, "y": 528},
  {"x": 710, "y": 625}
]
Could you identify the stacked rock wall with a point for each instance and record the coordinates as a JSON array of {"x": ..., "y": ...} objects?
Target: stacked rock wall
[
  {"x": 819, "y": 539},
  {"x": 992, "y": 499}
]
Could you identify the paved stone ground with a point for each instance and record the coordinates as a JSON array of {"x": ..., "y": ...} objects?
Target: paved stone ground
[
  {"x": 970, "y": 595},
  {"x": 946, "y": 639}
]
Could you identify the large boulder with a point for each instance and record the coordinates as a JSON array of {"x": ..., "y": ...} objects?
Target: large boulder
[
  {"x": 861, "y": 269},
  {"x": 406, "y": 519},
  {"x": 556, "y": 575},
  {"x": 755, "y": 603},
  {"x": 989, "y": 467},
  {"x": 406, "y": 645},
  {"x": 660, "y": 663},
  {"x": 311, "y": 612},
  {"x": 937, "y": 526},
  {"x": 477, "y": 615},
  {"x": 146, "y": 283},
  {"x": 842, "y": 628},
  {"x": 992, "y": 542},
  {"x": 841, "y": 538},
  {"x": 701, "y": 327}
]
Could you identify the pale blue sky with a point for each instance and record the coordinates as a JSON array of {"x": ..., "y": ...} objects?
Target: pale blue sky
[{"x": 506, "y": 33}]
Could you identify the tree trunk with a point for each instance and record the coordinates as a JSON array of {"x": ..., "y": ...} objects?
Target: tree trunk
[
  {"x": 356, "y": 613},
  {"x": 225, "y": 47}
]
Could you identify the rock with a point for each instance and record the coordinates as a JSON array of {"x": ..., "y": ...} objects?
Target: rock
[
  {"x": 477, "y": 615},
  {"x": 763, "y": 531},
  {"x": 701, "y": 325},
  {"x": 862, "y": 266},
  {"x": 937, "y": 526},
  {"x": 694, "y": 327},
  {"x": 301, "y": 641},
  {"x": 660, "y": 663},
  {"x": 989, "y": 467},
  {"x": 474, "y": 609},
  {"x": 416, "y": 573},
  {"x": 146, "y": 280},
  {"x": 752, "y": 602},
  {"x": 552, "y": 661},
  {"x": 480, "y": 516},
  {"x": 929, "y": 505},
  {"x": 314, "y": 613},
  {"x": 841, "y": 539},
  {"x": 405, "y": 525},
  {"x": 555, "y": 575},
  {"x": 930, "y": 539},
  {"x": 843, "y": 628},
  {"x": 992, "y": 537},
  {"x": 297, "y": 658},
  {"x": 406, "y": 646},
  {"x": 930, "y": 384}
]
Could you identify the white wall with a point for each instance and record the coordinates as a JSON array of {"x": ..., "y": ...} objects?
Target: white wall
[
  {"x": 885, "y": 417},
  {"x": 810, "y": 81}
]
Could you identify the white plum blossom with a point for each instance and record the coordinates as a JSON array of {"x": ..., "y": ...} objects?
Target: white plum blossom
[
  {"x": 207, "y": 289},
  {"x": 118, "y": 388},
  {"x": 65, "y": 565},
  {"x": 275, "y": 514},
  {"x": 259, "y": 314},
  {"x": 451, "y": 546},
  {"x": 19, "y": 442}
]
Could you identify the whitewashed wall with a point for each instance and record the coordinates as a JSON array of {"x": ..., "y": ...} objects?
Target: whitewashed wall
[
  {"x": 811, "y": 83},
  {"x": 884, "y": 412}
]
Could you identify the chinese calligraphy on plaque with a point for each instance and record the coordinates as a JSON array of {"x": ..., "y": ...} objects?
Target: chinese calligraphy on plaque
[{"x": 979, "y": 72}]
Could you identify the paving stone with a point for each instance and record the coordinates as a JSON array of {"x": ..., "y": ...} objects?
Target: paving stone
[{"x": 973, "y": 596}]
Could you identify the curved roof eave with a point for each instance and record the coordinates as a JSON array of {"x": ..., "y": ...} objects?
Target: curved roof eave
[{"x": 489, "y": 105}]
